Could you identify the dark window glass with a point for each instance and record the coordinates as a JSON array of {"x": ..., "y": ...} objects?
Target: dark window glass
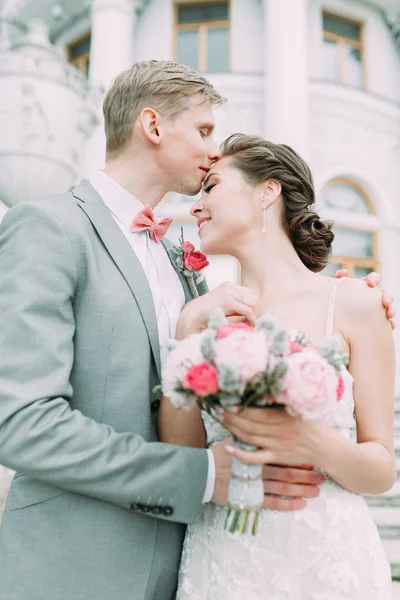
[
  {"x": 187, "y": 48},
  {"x": 218, "y": 50},
  {"x": 342, "y": 28},
  {"x": 202, "y": 13},
  {"x": 79, "y": 48}
]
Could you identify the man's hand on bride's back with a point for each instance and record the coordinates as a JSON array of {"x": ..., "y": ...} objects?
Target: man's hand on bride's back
[
  {"x": 373, "y": 279},
  {"x": 235, "y": 300}
]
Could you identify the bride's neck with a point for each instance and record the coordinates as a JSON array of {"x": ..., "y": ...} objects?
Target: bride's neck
[{"x": 270, "y": 263}]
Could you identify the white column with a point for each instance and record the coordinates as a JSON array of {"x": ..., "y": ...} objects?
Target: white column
[
  {"x": 111, "y": 51},
  {"x": 111, "y": 48},
  {"x": 287, "y": 74}
]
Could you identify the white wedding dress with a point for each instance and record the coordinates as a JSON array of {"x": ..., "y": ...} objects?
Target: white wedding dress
[{"x": 330, "y": 550}]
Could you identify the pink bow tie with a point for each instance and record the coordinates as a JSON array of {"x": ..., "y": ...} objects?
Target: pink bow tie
[{"x": 145, "y": 219}]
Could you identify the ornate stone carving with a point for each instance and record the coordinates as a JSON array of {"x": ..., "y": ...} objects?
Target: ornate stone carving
[{"x": 45, "y": 119}]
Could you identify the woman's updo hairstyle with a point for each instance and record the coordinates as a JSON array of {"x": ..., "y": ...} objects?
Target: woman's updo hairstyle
[{"x": 260, "y": 160}]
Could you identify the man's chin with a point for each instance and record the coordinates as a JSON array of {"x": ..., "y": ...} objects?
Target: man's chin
[{"x": 191, "y": 189}]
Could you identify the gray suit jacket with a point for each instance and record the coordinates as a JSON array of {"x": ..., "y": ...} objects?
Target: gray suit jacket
[{"x": 97, "y": 508}]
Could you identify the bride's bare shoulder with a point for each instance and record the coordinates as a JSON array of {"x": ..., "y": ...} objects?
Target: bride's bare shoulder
[{"x": 356, "y": 301}]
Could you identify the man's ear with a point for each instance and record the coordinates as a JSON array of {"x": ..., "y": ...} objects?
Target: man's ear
[
  {"x": 272, "y": 189},
  {"x": 150, "y": 121}
]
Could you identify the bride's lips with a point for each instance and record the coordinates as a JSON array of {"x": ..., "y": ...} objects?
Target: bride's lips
[{"x": 201, "y": 223}]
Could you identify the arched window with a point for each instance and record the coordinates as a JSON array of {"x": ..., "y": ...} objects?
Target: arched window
[{"x": 355, "y": 247}]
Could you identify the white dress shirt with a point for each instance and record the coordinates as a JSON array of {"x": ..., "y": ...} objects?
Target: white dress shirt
[{"x": 166, "y": 289}]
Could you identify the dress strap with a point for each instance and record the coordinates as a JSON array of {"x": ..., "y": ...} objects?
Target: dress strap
[{"x": 331, "y": 308}]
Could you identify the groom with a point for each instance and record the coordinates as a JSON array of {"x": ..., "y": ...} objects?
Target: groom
[{"x": 98, "y": 507}]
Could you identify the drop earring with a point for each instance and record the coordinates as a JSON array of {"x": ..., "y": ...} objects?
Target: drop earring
[{"x": 264, "y": 227}]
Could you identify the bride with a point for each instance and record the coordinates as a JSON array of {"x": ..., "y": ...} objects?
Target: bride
[{"x": 258, "y": 206}]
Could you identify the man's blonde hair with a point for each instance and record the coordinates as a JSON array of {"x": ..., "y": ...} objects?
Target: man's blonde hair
[{"x": 162, "y": 85}]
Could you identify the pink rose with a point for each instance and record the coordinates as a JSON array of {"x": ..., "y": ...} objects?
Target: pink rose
[
  {"x": 244, "y": 351},
  {"x": 224, "y": 330},
  {"x": 195, "y": 261},
  {"x": 296, "y": 347},
  {"x": 340, "y": 388},
  {"x": 202, "y": 379},
  {"x": 309, "y": 385},
  {"x": 187, "y": 247}
]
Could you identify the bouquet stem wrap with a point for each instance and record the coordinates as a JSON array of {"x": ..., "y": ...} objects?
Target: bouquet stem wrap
[{"x": 245, "y": 494}]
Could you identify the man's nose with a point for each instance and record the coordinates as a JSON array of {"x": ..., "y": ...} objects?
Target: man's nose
[{"x": 214, "y": 153}]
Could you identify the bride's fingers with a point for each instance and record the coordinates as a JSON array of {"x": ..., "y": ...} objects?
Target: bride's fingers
[
  {"x": 260, "y": 435},
  {"x": 246, "y": 295},
  {"x": 291, "y": 489},
  {"x": 277, "y": 503},
  {"x": 241, "y": 425},
  {"x": 242, "y": 310},
  {"x": 261, "y": 416},
  {"x": 258, "y": 457},
  {"x": 264, "y": 442}
]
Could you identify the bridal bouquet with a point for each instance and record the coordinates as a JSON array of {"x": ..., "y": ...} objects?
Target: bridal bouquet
[{"x": 234, "y": 364}]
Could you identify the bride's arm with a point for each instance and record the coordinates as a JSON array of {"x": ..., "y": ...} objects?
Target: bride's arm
[
  {"x": 368, "y": 466},
  {"x": 365, "y": 467},
  {"x": 180, "y": 426}
]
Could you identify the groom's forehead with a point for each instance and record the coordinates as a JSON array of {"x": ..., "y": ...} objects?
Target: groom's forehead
[{"x": 200, "y": 106}]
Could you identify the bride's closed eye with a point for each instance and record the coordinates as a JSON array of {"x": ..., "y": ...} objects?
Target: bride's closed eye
[{"x": 208, "y": 189}]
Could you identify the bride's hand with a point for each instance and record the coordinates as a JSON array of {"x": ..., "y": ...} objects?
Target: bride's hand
[
  {"x": 294, "y": 483},
  {"x": 235, "y": 300},
  {"x": 282, "y": 439}
]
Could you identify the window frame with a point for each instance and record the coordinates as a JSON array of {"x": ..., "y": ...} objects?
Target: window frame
[
  {"x": 341, "y": 41},
  {"x": 358, "y": 188},
  {"x": 80, "y": 62},
  {"x": 351, "y": 262},
  {"x": 202, "y": 27}
]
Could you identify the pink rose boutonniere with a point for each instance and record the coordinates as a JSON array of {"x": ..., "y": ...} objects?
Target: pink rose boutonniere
[
  {"x": 189, "y": 261},
  {"x": 195, "y": 261}
]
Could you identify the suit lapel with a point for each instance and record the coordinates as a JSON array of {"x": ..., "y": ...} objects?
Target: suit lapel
[
  {"x": 184, "y": 282},
  {"x": 124, "y": 258},
  {"x": 201, "y": 287}
]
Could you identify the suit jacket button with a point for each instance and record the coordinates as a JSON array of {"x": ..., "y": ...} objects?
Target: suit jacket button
[
  {"x": 156, "y": 510},
  {"x": 147, "y": 508},
  {"x": 139, "y": 506},
  {"x": 155, "y": 405},
  {"x": 168, "y": 511},
  {"x": 134, "y": 506}
]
